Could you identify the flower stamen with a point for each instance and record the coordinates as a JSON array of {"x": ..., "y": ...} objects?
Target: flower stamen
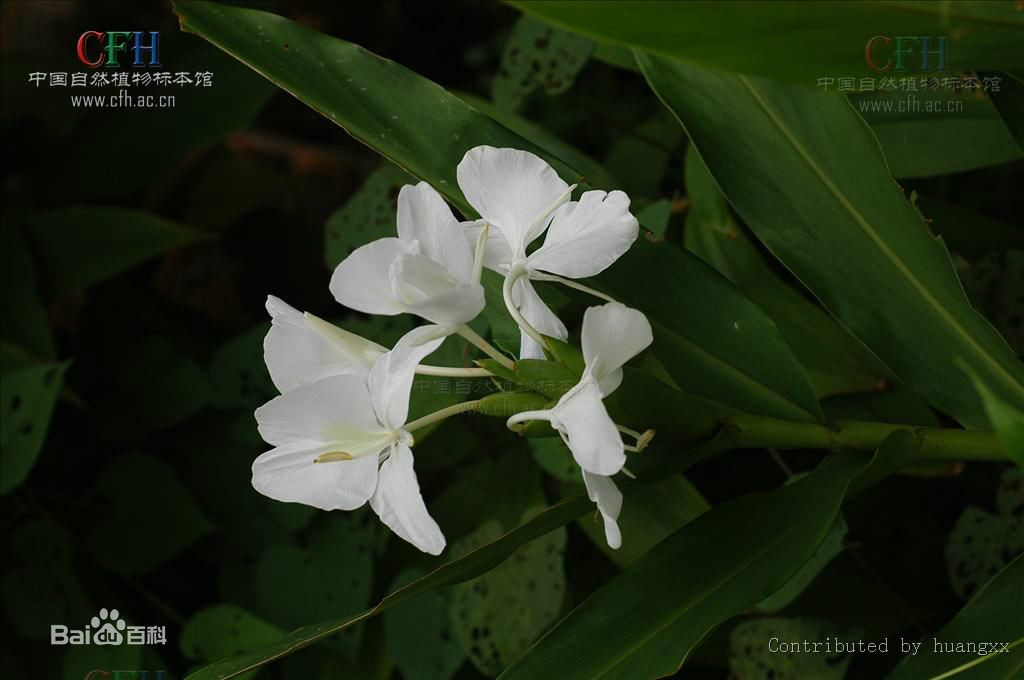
[
  {"x": 333, "y": 456},
  {"x": 535, "y": 228}
]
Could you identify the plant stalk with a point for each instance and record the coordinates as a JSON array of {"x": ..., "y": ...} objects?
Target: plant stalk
[
  {"x": 936, "y": 443},
  {"x": 525, "y": 326},
  {"x": 551, "y": 278},
  {"x": 450, "y": 372},
  {"x": 430, "y": 418},
  {"x": 486, "y": 347}
]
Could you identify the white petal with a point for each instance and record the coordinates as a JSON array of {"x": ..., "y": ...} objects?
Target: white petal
[
  {"x": 612, "y": 335},
  {"x": 400, "y": 506},
  {"x": 610, "y": 382},
  {"x": 425, "y": 217},
  {"x": 390, "y": 379},
  {"x": 289, "y": 473},
  {"x": 362, "y": 280},
  {"x": 426, "y": 289},
  {"x": 587, "y": 236},
  {"x": 606, "y": 495},
  {"x": 497, "y": 253},
  {"x": 511, "y": 189},
  {"x": 540, "y": 316},
  {"x": 582, "y": 420},
  {"x": 333, "y": 410},
  {"x": 301, "y": 349}
]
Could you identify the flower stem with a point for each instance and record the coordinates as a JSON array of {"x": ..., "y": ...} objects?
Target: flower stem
[
  {"x": 454, "y": 410},
  {"x": 481, "y": 246},
  {"x": 540, "y": 276},
  {"x": 485, "y": 347},
  {"x": 514, "y": 273},
  {"x": 936, "y": 443},
  {"x": 524, "y": 416},
  {"x": 540, "y": 223},
  {"x": 450, "y": 372}
]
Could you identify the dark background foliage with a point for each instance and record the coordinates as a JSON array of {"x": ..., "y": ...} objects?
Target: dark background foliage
[{"x": 139, "y": 499}]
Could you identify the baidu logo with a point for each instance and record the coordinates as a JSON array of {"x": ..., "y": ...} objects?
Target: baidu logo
[{"x": 108, "y": 628}]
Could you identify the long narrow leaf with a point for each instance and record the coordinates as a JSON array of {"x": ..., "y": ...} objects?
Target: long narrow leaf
[
  {"x": 646, "y": 621},
  {"x": 415, "y": 123},
  {"x": 796, "y": 39},
  {"x": 806, "y": 174}
]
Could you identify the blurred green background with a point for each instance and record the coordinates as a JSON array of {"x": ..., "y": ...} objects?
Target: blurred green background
[{"x": 138, "y": 248}]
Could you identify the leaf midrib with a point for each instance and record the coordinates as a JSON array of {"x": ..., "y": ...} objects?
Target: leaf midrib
[{"x": 867, "y": 228}]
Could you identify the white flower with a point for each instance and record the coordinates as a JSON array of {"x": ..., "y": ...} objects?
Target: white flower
[
  {"x": 521, "y": 196},
  {"x": 427, "y": 270},
  {"x": 612, "y": 335},
  {"x": 301, "y": 348},
  {"x": 340, "y": 441}
]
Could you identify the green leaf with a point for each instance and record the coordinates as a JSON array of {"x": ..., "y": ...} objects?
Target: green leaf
[
  {"x": 981, "y": 543},
  {"x": 23, "y": 319},
  {"x": 237, "y": 372},
  {"x": 647, "y": 519},
  {"x": 641, "y": 158},
  {"x": 654, "y": 217},
  {"x": 80, "y": 659},
  {"x": 154, "y": 387},
  {"x": 835, "y": 362},
  {"x": 218, "y": 473},
  {"x": 805, "y": 173},
  {"x": 555, "y": 458},
  {"x": 993, "y": 284},
  {"x": 992, "y": 615},
  {"x": 775, "y": 39},
  {"x": 907, "y": 126},
  {"x": 79, "y": 246},
  {"x": 537, "y": 55},
  {"x": 296, "y": 585},
  {"x": 643, "y": 402},
  {"x": 411, "y": 121},
  {"x": 566, "y": 354},
  {"x": 823, "y": 554},
  {"x": 1009, "y": 102},
  {"x": 752, "y": 657},
  {"x": 1006, "y": 419},
  {"x": 615, "y": 55},
  {"x": 899, "y": 406},
  {"x": 967, "y": 232},
  {"x": 27, "y": 398},
  {"x": 224, "y": 630},
  {"x": 369, "y": 214},
  {"x": 418, "y": 634},
  {"x": 647, "y": 620},
  {"x": 712, "y": 339},
  {"x": 41, "y": 586},
  {"x": 508, "y": 403},
  {"x": 156, "y": 527},
  {"x": 499, "y": 614},
  {"x": 550, "y": 378}
]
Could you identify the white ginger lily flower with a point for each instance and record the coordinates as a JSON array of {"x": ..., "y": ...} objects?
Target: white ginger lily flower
[
  {"x": 302, "y": 348},
  {"x": 427, "y": 271},
  {"x": 612, "y": 335},
  {"x": 522, "y": 196},
  {"x": 342, "y": 441}
]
